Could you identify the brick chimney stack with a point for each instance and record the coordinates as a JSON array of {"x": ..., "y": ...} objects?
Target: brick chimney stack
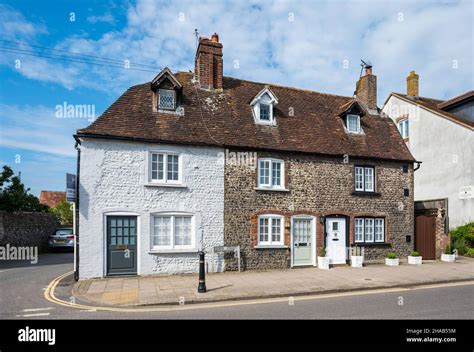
[
  {"x": 412, "y": 84},
  {"x": 208, "y": 67},
  {"x": 366, "y": 89}
]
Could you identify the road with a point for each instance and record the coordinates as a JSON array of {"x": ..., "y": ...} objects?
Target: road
[{"x": 22, "y": 297}]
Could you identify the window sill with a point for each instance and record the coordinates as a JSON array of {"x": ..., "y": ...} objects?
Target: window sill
[
  {"x": 271, "y": 189},
  {"x": 271, "y": 246},
  {"x": 171, "y": 185},
  {"x": 364, "y": 193},
  {"x": 374, "y": 244},
  {"x": 171, "y": 251}
]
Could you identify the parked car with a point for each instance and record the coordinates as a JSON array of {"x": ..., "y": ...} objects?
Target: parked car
[{"x": 62, "y": 238}]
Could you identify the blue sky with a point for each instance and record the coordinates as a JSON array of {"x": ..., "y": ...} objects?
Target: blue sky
[{"x": 309, "y": 44}]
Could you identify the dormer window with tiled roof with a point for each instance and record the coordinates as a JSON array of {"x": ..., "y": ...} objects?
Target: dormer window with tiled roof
[
  {"x": 166, "y": 87},
  {"x": 263, "y": 107}
]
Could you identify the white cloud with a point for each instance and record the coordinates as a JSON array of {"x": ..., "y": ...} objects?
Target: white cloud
[
  {"x": 307, "y": 52},
  {"x": 36, "y": 128}
]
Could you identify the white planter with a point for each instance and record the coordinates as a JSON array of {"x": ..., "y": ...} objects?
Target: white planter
[
  {"x": 450, "y": 258},
  {"x": 415, "y": 260},
  {"x": 392, "y": 262},
  {"x": 357, "y": 261},
  {"x": 323, "y": 263}
]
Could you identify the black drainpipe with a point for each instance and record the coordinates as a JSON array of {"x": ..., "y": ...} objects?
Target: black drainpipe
[
  {"x": 76, "y": 240},
  {"x": 418, "y": 165}
]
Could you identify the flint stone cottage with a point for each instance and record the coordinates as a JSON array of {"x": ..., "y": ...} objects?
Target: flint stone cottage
[{"x": 190, "y": 161}]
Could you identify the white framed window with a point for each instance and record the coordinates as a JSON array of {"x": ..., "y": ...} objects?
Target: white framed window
[
  {"x": 264, "y": 112},
  {"x": 270, "y": 230},
  {"x": 353, "y": 123},
  {"x": 165, "y": 167},
  {"x": 369, "y": 230},
  {"x": 364, "y": 178},
  {"x": 172, "y": 231},
  {"x": 403, "y": 128},
  {"x": 166, "y": 99},
  {"x": 379, "y": 230},
  {"x": 271, "y": 173},
  {"x": 359, "y": 230}
]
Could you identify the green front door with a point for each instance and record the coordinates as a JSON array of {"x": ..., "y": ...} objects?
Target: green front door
[
  {"x": 303, "y": 241},
  {"x": 121, "y": 245}
]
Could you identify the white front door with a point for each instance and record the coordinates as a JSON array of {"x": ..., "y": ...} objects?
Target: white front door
[{"x": 336, "y": 240}]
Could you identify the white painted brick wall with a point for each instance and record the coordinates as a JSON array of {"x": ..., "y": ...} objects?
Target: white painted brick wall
[{"x": 113, "y": 179}]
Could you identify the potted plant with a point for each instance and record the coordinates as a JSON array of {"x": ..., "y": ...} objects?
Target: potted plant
[
  {"x": 357, "y": 258},
  {"x": 392, "y": 259},
  {"x": 323, "y": 260},
  {"x": 415, "y": 258},
  {"x": 448, "y": 255}
]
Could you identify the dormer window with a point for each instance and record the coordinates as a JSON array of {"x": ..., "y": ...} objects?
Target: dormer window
[
  {"x": 353, "y": 123},
  {"x": 263, "y": 107},
  {"x": 166, "y": 99},
  {"x": 166, "y": 92}
]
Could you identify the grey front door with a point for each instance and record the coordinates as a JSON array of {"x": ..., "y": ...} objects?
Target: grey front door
[
  {"x": 121, "y": 245},
  {"x": 303, "y": 241}
]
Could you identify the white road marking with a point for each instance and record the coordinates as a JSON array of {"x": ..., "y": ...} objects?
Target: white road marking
[
  {"x": 36, "y": 309},
  {"x": 33, "y": 315}
]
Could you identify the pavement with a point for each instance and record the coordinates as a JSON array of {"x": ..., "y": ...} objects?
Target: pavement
[
  {"x": 23, "y": 296},
  {"x": 232, "y": 286}
]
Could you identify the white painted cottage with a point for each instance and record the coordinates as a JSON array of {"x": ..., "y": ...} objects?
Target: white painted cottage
[{"x": 440, "y": 134}]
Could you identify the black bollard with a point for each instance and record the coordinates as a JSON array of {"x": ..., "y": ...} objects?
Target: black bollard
[{"x": 202, "y": 274}]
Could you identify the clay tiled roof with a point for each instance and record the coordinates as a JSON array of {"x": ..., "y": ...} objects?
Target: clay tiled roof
[
  {"x": 307, "y": 121},
  {"x": 434, "y": 105},
  {"x": 52, "y": 198}
]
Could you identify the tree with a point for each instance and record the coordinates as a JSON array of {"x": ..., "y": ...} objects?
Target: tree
[
  {"x": 63, "y": 212},
  {"x": 14, "y": 196}
]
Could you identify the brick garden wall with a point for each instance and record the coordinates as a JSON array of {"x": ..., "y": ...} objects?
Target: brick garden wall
[
  {"x": 318, "y": 186},
  {"x": 26, "y": 229}
]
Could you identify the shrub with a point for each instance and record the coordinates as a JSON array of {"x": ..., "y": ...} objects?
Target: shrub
[
  {"x": 415, "y": 254},
  {"x": 466, "y": 232},
  {"x": 470, "y": 252},
  {"x": 460, "y": 244},
  {"x": 322, "y": 252},
  {"x": 448, "y": 249},
  {"x": 391, "y": 255}
]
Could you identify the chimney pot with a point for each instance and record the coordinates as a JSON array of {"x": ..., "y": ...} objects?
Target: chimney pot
[{"x": 215, "y": 38}]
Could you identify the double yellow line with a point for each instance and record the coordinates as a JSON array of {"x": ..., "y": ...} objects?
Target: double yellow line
[{"x": 50, "y": 296}]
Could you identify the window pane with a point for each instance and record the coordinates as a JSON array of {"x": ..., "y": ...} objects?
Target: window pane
[
  {"x": 162, "y": 231},
  {"x": 379, "y": 230},
  {"x": 173, "y": 165},
  {"x": 182, "y": 231},
  {"x": 265, "y": 112},
  {"x": 359, "y": 179},
  {"x": 166, "y": 99},
  {"x": 263, "y": 231},
  {"x": 369, "y": 179},
  {"x": 276, "y": 230},
  {"x": 264, "y": 172},
  {"x": 157, "y": 166},
  {"x": 369, "y": 230},
  {"x": 276, "y": 173},
  {"x": 359, "y": 230}
]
